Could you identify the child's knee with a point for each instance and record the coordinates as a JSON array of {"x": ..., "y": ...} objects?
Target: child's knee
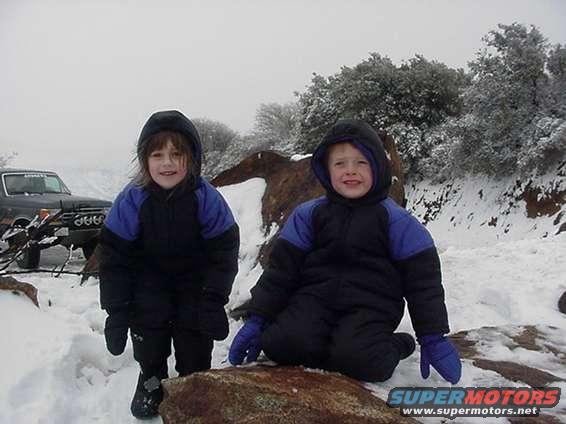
[
  {"x": 376, "y": 373},
  {"x": 368, "y": 365},
  {"x": 291, "y": 348},
  {"x": 369, "y": 371},
  {"x": 150, "y": 346}
]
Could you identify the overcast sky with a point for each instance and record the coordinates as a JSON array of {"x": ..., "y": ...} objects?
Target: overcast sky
[{"x": 79, "y": 78}]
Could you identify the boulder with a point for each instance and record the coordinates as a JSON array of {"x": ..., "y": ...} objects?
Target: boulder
[
  {"x": 288, "y": 183},
  {"x": 562, "y": 303},
  {"x": 265, "y": 394},
  {"x": 397, "y": 191},
  {"x": 539, "y": 203},
  {"x": 539, "y": 338},
  {"x": 19, "y": 288}
]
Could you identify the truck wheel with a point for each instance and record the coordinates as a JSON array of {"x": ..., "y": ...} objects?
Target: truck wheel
[
  {"x": 88, "y": 249},
  {"x": 29, "y": 259}
]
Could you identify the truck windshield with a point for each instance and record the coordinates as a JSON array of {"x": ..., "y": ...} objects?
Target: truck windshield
[{"x": 34, "y": 183}]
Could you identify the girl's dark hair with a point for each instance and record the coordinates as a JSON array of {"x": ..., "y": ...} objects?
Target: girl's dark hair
[{"x": 156, "y": 142}]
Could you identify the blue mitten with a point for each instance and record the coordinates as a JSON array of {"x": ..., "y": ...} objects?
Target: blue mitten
[
  {"x": 247, "y": 341},
  {"x": 436, "y": 350}
]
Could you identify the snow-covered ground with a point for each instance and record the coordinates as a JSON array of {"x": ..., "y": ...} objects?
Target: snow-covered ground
[{"x": 54, "y": 367}]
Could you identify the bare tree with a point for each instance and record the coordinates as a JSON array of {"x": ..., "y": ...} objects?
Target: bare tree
[
  {"x": 5, "y": 158},
  {"x": 215, "y": 135},
  {"x": 276, "y": 126}
]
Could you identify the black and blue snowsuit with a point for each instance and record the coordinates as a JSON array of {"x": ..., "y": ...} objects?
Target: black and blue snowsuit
[
  {"x": 170, "y": 258},
  {"x": 341, "y": 269}
]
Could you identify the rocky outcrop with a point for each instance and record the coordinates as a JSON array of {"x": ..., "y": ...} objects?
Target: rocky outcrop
[
  {"x": 539, "y": 203},
  {"x": 472, "y": 345},
  {"x": 397, "y": 191},
  {"x": 562, "y": 303},
  {"x": 261, "y": 394},
  {"x": 288, "y": 183},
  {"x": 534, "y": 338},
  {"x": 19, "y": 288}
]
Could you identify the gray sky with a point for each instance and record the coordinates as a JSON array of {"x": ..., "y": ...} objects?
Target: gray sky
[{"x": 79, "y": 78}]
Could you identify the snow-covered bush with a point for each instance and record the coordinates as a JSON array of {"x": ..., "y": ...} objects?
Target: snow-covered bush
[
  {"x": 508, "y": 125},
  {"x": 544, "y": 144},
  {"x": 417, "y": 94},
  {"x": 5, "y": 158},
  {"x": 409, "y": 140}
]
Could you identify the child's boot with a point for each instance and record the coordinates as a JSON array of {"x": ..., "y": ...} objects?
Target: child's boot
[
  {"x": 148, "y": 395},
  {"x": 405, "y": 343}
]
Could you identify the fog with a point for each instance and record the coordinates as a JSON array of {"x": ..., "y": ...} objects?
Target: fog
[{"x": 79, "y": 78}]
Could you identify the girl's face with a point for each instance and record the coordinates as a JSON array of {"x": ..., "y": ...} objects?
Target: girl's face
[{"x": 167, "y": 166}]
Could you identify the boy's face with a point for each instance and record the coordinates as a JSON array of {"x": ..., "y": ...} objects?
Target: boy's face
[
  {"x": 350, "y": 172},
  {"x": 167, "y": 166}
]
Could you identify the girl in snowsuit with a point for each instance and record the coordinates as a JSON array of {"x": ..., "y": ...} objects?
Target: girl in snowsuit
[
  {"x": 168, "y": 258},
  {"x": 341, "y": 269}
]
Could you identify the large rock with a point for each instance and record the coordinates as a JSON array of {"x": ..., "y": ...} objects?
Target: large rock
[
  {"x": 288, "y": 183},
  {"x": 539, "y": 203},
  {"x": 540, "y": 338},
  {"x": 562, "y": 303},
  {"x": 257, "y": 394},
  {"x": 19, "y": 288},
  {"x": 397, "y": 191}
]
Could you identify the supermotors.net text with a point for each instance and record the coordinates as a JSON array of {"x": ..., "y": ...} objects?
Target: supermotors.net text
[
  {"x": 470, "y": 412},
  {"x": 472, "y": 401}
]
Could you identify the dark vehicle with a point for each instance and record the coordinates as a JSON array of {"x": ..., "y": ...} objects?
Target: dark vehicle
[{"x": 39, "y": 206}]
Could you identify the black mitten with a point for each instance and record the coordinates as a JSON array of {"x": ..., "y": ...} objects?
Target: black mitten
[
  {"x": 116, "y": 331},
  {"x": 212, "y": 317}
]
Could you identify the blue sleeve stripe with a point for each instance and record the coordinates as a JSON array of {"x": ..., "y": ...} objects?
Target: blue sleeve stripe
[
  {"x": 407, "y": 236},
  {"x": 214, "y": 214},
  {"x": 123, "y": 218},
  {"x": 298, "y": 227}
]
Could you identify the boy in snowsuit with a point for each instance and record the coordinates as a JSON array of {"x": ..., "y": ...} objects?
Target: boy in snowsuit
[
  {"x": 168, "y": 258},
  {"x": 341, "y": 269}
]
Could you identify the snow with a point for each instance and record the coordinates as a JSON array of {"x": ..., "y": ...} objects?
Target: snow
[
  {"x": 54, "y": 367},
  {"x": 469, "y": 205},
  {"x": 245, "y": 202},
  {"x": 297, "y": 157}
]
